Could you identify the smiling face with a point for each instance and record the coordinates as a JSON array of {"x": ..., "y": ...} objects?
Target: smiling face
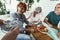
[
  {"x": 21, "y": 8},
  {"x": 57, "y": 9}
]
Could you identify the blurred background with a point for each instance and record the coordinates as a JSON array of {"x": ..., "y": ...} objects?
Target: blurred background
[{"x": 9, "y": 6}]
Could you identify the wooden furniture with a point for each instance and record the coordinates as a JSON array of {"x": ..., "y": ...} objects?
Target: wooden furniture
[{"x": 37, "y": 34}]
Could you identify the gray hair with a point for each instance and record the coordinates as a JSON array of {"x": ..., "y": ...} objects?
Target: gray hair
[{"x": 39, "y": 9}]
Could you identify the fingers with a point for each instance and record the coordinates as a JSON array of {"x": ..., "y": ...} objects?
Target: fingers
[
  {"x": 16, "y": 29},
  {"x": 11, "y": 29}
]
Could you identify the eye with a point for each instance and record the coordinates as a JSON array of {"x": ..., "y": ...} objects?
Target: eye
[{"x": 57, "y": 7}]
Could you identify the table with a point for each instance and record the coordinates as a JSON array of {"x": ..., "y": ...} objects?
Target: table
[{"x": 38, "y": 35}]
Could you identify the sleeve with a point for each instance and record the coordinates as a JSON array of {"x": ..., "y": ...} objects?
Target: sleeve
[
  {"x": 12, "y": 16},
  {"x": 26, "y": 21},
  {"x": 48, "y": 16}
]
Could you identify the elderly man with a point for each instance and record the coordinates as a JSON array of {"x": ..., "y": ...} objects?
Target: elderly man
[{"x": 53, "y": 17}]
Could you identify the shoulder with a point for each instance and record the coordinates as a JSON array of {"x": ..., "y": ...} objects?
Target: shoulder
[
  {"x": 13, "y": 14},
  {"x": 23, "y": 15},
  {"x": 52, "y": 12}
]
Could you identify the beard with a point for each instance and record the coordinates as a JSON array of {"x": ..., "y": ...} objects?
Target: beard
[{"x": 57, "y": 12}]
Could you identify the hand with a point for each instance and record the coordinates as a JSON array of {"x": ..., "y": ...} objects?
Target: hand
[
  {"x": 45, "y": 30},
  {"x": 40, "y": 22},
  {"x": 32, "y": 23},
  {"x": 32, "y": 30},
  {"x": 16, "y": 29},
  {"x": 50, "y": 25},
  {"x": 12, "y": 34}
]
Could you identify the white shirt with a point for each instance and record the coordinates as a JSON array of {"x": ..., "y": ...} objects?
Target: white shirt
[{"x": 37, "y": 18}]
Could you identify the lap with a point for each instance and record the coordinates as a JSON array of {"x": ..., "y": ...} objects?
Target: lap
[{"x": 23, "y": 37}]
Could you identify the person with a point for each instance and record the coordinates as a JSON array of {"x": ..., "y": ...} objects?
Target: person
[
  {"x": 35, "y": 15},
  {"x": 52, "y": 20},
  {"x": 53, "y": 17},
  {"x": 19, "y": 15},
  {"x": 20, "y": 18},
  {"x": 12, "y": 34}
]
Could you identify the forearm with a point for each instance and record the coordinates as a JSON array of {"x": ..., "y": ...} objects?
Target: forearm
[
  {"x": 46, "y": 21},
  {"x": 10, "y": 36}
]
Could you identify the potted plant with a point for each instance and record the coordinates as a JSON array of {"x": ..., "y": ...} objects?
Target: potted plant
[{"x": 2, "y": 8}]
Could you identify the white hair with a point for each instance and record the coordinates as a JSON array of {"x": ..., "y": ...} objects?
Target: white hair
[{"x": 35, "y": 6}]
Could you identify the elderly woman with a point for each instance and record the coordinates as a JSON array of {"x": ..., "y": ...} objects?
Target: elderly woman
[{"x": 35, "y": 15}]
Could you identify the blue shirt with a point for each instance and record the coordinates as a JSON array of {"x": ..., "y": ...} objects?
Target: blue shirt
[
  {"x": 53, "y": 18},
  {"x": 21, "y": 19}
]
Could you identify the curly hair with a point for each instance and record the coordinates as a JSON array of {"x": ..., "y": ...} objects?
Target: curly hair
[{"x": 21, "y": 4}]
